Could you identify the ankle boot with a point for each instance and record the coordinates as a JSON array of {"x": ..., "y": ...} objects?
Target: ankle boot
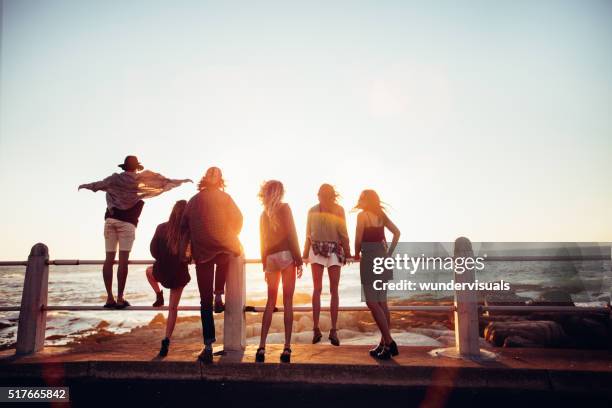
[
  {"x": 393, "y": 349},
  {"x": 160, "y": 299},
  {"x": 165, "y": 344}
]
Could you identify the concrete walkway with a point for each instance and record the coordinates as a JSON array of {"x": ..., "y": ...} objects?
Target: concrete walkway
[{"x": 517, "y": 369}]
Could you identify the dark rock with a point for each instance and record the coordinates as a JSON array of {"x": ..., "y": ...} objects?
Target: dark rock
[
  {"x": 554, "y": 298},
  {"x": 518, "y": 341},
  {"x": 536, "y": 333},
  {"x": 588, "y": 331},
  {"x": 55, "y": 337},
  {"x": 504, "y": 299},
  {"x": 4, "y": 324}
]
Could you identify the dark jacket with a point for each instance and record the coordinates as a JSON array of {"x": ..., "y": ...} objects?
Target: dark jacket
[
  {"x": 214, "y": 222},
  {"x": 169, "y": 269}
]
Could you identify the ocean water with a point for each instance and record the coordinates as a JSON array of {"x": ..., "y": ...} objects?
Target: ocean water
[{"x": 588, "y": 283}]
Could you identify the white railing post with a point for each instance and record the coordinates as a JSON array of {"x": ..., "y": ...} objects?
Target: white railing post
[
  {"x": 32, "y": 316},
  {"x": 466, "y": 305},
  {"x": 234, "y": 326}
]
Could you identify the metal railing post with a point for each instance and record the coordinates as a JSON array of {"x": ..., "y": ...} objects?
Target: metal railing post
[
  {"x": 32, "y": 316},
  {"x": 466, "y": 305},
  {"x": 234, "y": 328}
]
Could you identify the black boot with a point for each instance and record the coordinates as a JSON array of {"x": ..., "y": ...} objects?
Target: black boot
[
  {"x": 374, "y": 352},
  {"x": 163, "y": 351},
  {"x": 206, "y": 356},
  {"x": 219, "y": 305},
  {"x": 393, "y": 349},
  {"x": 160, "y": 299},
  {"x": 385, "y": 354}
]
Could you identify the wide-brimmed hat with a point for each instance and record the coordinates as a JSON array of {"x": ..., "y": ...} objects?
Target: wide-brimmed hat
[{"x": 131, "y": 163}]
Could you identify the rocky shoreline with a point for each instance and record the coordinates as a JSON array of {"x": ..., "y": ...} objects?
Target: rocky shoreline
[{"x": 592, "y": 330}]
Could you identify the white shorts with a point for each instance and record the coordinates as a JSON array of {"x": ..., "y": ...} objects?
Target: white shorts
[
  {"x": 119, "y": 233},
  {"x": 278, "y": 261},
  {"x": 332, "y": 260}
]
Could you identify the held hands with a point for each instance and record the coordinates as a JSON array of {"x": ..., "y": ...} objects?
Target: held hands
[{"x": 300, "y": 269}]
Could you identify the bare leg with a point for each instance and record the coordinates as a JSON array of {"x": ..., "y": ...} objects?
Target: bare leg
[
  {"x": 154, "y": 284},
  {"x": 122, "y": 273},
  {"x": 334, "y": 281},
  {"x": 107, "y": 275},
  {"x": 288, "y": 289},
  {"x": 381, "y": 321},
  {"x": 317, "y": 283},
  {"x": 175, "y": 297},
  {"x": 272, "y": 280},
  {"x": 385, "y": 308}
]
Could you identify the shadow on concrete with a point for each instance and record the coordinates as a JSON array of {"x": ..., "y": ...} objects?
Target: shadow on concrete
[{"x": 11, "y": 358}]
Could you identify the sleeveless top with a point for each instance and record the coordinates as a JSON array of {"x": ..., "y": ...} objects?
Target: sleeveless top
[{"x": 373, "y": 234}]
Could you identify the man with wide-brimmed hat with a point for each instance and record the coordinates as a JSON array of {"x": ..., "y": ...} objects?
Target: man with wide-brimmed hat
[{"x": 125, "y": 192}]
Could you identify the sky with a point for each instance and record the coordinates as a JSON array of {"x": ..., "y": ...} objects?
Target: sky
[{"x": 490, "y": 120}]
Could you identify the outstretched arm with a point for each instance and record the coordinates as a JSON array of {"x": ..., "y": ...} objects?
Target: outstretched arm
[
  {"x": 101, "y": 185},
  {"x": 152, "y": 184}
]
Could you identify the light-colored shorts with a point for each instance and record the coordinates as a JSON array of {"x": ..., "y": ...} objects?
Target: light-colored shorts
[
  {"x": 278, "y": 261},
  {"x": 118, "y": 233},
  {"x": 332, "y": 260}
]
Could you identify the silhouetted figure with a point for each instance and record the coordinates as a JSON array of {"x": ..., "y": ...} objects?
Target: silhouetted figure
[
  {"x": 125, "y": 193},
  {"x": 171, "y": 251},
  {"x": 213, "y": 222},
  {"x": 280, "y": 256},
  {"x": 327, "y": 246},
  {"x": 370, "y": 243}
]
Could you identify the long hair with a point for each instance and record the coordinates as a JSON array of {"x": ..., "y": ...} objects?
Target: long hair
[
  {"x": 370, "y": 201},
  {"x": 271, "y": 195},
  {"x": 213, "y": 178},
  {"x": 328, "y": 195},
  {"x": 176, "y": 239}
]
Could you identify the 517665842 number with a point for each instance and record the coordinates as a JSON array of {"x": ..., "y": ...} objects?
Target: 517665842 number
[{"x": 33, "y": 394}]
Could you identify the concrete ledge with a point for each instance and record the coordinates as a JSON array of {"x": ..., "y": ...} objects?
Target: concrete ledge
[
  {"x": 479, "y": 378},
  {"x": 323, "y": 366},
  {"x": 579, "y": 381},
  {"x": 52, "y": 371}
]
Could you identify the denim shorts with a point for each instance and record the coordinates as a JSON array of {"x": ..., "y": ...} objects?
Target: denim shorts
[{"x": 278, "y": 261}]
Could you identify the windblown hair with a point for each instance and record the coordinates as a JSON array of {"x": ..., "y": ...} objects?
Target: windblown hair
[
  {"x": 212, "y": 179},
  {"x": 271, "y": 195},
  {"x": 328, "y": 194},
  {"x": 370, "y": 201},
  {"x": 177, "y": 239}
]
